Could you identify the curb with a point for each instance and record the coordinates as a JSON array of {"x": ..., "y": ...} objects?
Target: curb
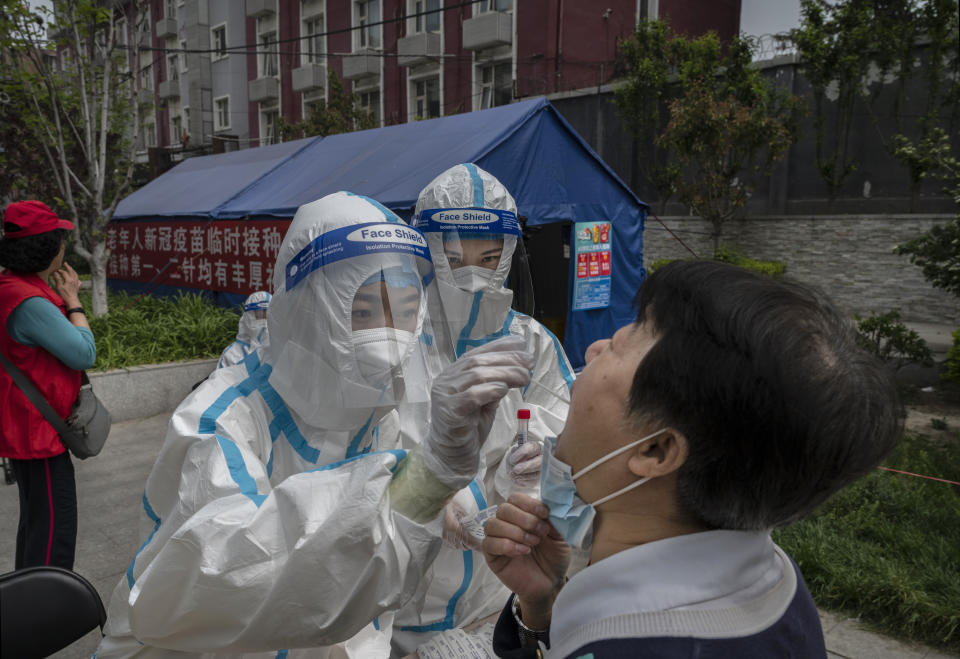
[{"x": 143, "y": 391}]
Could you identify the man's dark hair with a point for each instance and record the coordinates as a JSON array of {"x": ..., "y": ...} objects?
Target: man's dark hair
[
  {"x": 31, "y": 253},
  {"x": 764, "y": 378}
]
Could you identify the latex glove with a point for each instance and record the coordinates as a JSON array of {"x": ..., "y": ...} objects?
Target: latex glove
[
  {"x": 463, "y": 403},
  {"x": 455, "y": 535},
  {"x": 523, "y": 463}
]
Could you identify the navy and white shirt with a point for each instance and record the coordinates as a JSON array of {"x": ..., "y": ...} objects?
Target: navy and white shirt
[{"x": 711, "y": 595}]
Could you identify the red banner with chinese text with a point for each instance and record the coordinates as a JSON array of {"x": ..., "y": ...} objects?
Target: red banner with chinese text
[{"x": 232, "y": 256}]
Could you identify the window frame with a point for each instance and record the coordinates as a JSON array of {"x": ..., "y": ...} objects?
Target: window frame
[
  {"x": 217, "y": 127},
  {"x": 418, "y": 24},
  {"x": 363, "y": 38},
  {"x": 175, "y": 139},
  {"x": 311, "y": 40},
  {"x": 267, "y": 53},
  {"x": 414, "y": 97},
  {"x": 263, "y": 113},
  {"x": 483, "y": 87},
  {"x": 173, "y": 67},
  {"x": 366, "y": 91},
  {"x": 183, "y": 55},
  {"x": 218, "y": 52}
]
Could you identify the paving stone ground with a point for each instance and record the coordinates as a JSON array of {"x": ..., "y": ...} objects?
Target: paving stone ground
[{"x": 109, "y": 489}]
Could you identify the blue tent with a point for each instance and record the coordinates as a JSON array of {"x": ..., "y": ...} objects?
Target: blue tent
[{"x": 551, "y": 172}]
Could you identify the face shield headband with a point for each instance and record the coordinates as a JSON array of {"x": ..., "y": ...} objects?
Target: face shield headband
[
  {"x": 478, "y": 221},
  {"x": 357, "y": 240},
  {"x": 258, "y": 305}
]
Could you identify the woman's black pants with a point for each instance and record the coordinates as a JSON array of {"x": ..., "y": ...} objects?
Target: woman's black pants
[{"x": 47, "y": 531}]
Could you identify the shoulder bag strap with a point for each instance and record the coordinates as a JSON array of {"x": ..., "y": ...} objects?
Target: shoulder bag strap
[{"x": 38, "y": 400}]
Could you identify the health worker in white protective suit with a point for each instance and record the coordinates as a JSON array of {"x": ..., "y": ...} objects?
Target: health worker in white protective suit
[
  {"x": 252, "y": 331},
  {"x": 470, "y": 221},
  {"x": 283, "y": 511}
]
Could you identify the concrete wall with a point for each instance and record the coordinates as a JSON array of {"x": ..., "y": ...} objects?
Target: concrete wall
[
  {"x": 143, "y": 391},
  {"x": 851, "y": 257}
]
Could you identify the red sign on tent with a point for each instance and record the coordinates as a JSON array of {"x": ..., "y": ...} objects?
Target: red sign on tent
[{"x": 227, "y": 256}]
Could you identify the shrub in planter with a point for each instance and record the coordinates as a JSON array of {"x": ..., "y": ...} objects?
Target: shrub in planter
[
  {"x": 728, "y": 255},
  {"x": 893, "y": 342}
]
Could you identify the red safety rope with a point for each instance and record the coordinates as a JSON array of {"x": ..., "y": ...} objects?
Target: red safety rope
[{"x": 910, "y": 473}]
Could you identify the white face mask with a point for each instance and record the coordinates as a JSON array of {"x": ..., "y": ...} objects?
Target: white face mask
[
  {"x": 472, "y": 278},
  {"x": 379, "y": 352}
]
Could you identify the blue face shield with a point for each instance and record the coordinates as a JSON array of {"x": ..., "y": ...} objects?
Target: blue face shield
[{"x": 570, "y": 515}]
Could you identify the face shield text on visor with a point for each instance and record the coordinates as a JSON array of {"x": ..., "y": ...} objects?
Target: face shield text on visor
[
  {"x": 477, "y": 244},
  {"x": 362, "y": 334}
]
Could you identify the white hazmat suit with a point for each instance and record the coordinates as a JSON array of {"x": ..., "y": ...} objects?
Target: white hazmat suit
[
  {"x": 283, "y": 511},
  {"x": 251, "y": 330},
  {"x": 465, "y": 205}
]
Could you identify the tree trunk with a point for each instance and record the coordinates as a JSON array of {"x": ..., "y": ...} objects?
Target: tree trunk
[{"x": 98, "y": 277}]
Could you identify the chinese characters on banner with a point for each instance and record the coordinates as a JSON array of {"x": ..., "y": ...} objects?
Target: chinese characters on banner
[
  {"x": 591, "y": 287},
  {"x": 228, "y": 256}
]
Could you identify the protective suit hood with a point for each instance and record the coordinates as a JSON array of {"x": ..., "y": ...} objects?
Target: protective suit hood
[
  {"x": 250, "y": 328},
  {"x": 333, "y": 247},
  {"x": 467, "y": 203}
]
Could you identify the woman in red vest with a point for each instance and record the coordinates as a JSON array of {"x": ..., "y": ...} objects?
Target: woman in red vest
[{"x": 46, "y": 335}]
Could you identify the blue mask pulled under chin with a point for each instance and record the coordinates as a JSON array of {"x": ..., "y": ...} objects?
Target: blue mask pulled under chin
[{"x": 570, "y": 515}]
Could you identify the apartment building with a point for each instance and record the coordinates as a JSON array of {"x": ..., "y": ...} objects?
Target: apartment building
[{"x": 223, "y": 72}]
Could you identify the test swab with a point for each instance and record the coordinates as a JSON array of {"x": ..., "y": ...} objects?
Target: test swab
[{"x": 553, "y": 393}]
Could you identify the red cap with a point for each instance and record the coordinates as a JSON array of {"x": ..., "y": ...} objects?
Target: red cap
[
  {"x": 30, "y": 218},
  {"x": 523, "y": 414}
]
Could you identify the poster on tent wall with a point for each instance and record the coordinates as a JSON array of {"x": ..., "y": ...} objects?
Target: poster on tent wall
[
  {"x": 591, "y": 287},
  {"x": 226, "y": 256}
]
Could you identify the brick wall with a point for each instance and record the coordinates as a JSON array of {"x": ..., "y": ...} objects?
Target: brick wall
[{"x": 849, "y": 256}]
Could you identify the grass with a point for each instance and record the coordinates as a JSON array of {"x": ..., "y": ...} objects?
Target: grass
[
  {"x": 158, "y": 330},
  {"x": 887, "y": 548}
]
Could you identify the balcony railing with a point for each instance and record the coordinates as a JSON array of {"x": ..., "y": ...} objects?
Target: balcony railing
[
  {"x": 418, "y": 48},
  {"x": 169, "y": 88},
  {"x": 263, "y": 89},
  {"x": 488, "y": 30},
  {"x": 166, "y": 27},
  {"x": 362, "y": 63},
  {"x": 309, "y": 77}
]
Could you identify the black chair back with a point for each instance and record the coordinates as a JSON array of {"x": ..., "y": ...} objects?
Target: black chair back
[{"x": 45, "y": 609}]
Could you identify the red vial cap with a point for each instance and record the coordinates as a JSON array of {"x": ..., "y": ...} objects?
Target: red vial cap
[{"x": 523, "y": 414}]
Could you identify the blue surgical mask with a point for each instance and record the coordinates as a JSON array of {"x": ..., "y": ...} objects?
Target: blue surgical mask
[{"x": 569, "y": 513}]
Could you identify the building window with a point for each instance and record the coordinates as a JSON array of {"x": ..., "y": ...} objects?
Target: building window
[
  {"x": 369, "y": 101},
  {"x": 218, "y": 39},
  {"x": 122, "y": 32},
  {"x": 312, "y": 47},
  {"x": 426, "y": 98},
  {"x": 367, "y": 12},
  {"x": 186, "y": 122},
  {"x": 183, "y": 56},
  {"x": 146, "y": 77},
  {"x": 311, "y": 102},
  {"x": 221, "y": 113},
  {"x": 493, "y": 5},
  {"x": 269, "y": 125},
  {"x": 149, "y": 135},
  {"x": 173, "y": 67},
  {"x": 268, "y": 60},
  {"x": 176, "y": 130},
  {"x": 496, "y": 85},
  {"x": 428, "y": 22}
]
